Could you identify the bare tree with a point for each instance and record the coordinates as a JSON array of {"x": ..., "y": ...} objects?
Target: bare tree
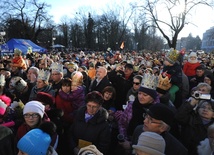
[{"x": 175, "y": 17}]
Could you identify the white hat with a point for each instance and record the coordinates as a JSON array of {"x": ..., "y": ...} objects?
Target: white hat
[
  {"x": 151, "y": 143},
  {"x": 91, "y": 149},
  {"x": 34, "y": 106}
]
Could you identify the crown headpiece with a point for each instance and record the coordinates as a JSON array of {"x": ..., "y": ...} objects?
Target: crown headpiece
[
  {"x": 44, "y": 75},
  {"x": 57, "y": 67},
  {"x": 172, "y": 55},
  {"x": 18, "y": 83},
  {"x": 2, "y": 80},
  {"x": 149, "y": 81},
  {"x": 163, "y": 83}
]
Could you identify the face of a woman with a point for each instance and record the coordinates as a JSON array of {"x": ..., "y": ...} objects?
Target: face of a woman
[
  {"x": 92, "y": 108},
  {"x": 32, "y": 119},
  {"x": 40, "y": 83},
  {"x": 107, "y": 96},
  {"x": 144, "y": 98}
]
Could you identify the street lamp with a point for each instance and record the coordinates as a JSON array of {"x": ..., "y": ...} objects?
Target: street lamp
[{"x": 53, "y": 39}]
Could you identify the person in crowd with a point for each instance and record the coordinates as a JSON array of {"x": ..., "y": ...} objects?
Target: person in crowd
[
  {"x": 122, "y": 80},
  {"x": 56, "y": 76},
  {"x": 132, "y": 93},
  {"x": 71, "y": 67},
  {"x": 93, "y": 119},
  {"x": 195, "y": 116},
  {"x": 32, "y": 75},
  {"x": 190, "y": 66},
  {"x": 91, "y": 71},
  {"x": 38, "y": 141},
  {"x": 86, "y": 78},
  {"x": 209, "y": 79},
  {"x": 207, "y": 146},
  {"x": 77, "y": 93},
  {"x": 101, "y": 80},
  {"x": 6, "y": 141},
  {"x": 173, "y": 70},
  {"x": 18, "y": 60},
  {"x": 158, "y": 119},
  {"x": 150, "y": 143},
  {"x": 199, "y": 77},
  {"x": 42, "y": 85}
]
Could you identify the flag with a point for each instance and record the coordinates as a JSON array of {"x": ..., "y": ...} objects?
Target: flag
[{"x": 122, "y": 45}]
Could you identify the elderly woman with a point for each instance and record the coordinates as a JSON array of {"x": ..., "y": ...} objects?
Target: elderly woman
[
  {"x": 42, "y": 85},
  {"x": 90, "y": 125}
]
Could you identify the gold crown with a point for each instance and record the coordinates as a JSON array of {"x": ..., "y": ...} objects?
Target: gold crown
[
  {"x": 57, "y": 67},
  {"x": 44, "y": 75},
  {"x": 77, "y": 78},
  {"x": 164, "y": 82},
  {"x": 2, "y": 80},
  {"x": 172, "y": 55},
  {"x": 149, "y": 81}
]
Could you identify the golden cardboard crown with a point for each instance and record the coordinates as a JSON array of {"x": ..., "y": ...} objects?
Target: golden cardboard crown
[{"x": 164, "y": 82}]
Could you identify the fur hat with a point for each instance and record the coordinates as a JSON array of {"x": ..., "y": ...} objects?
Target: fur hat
[
  {"x": 151, "y": 143},
  {"x": 34, "y": 106},
  {"x": 35, "y": 142},
  {"x": 161, "y": 112},
  {"x": 89, "y": 150},
  {"x": 45, "y": 98}
]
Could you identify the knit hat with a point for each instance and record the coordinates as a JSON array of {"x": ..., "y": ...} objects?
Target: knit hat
[
  {"x": 151, "y": 143},
  {"x": 172, "y": 56},
  {"x": 149, "y": 84},
  {"x": 3, "y": 107},
  {"x": 89, "y": 150},
  {"x": 193, "y": 54},
  {"x": 35, "y": 142},
  {"x": 5, "y": 99},
  {"x": 163, "y": 84},
  {"x": 34, "y": 106},
  {"x": 161, "y": 112},
  {"x": 45, "y": 98}
]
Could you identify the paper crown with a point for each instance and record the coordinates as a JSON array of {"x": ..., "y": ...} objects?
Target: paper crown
[
  {"x": 44, "y": 75},
  {"x": 2, "y": 80},
  {"x": 163, "y": 84},
  {"x": 77, "y": 78},
  {"x": 172, "y": 56},
  {"x": 18, "y": 83},
  {"x": 149, "y": 81},
  {"x": 17, "y": 51},
  {"x": 56, "y": 67}
]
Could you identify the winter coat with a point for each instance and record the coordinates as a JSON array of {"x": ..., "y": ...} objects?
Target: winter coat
[
  {"x": 189, "y": 68},
  {"x": 77, "y": 97},
  {"x": 204, "y": 148},
  {"x": 100, "y": 86},
  {"x": 192, "y": 128},
  {"x": 96, "y": 130}
]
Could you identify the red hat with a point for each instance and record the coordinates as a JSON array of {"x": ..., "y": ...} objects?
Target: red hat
[{"x": 45, "y": 98}]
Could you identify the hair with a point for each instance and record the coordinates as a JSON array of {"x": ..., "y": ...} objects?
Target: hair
[
  {"x": 203, "y": 84},
  {"x": 94, "y": 96},
  {"x": 34, "y": 69},
  {"x": 110, "y": 89},
  {"x": 104, "y": 69},
  {"x": 48, "y": 127},
  {"x": 201, "y": 67},
  {"x": 66, "y": 82},
  {"x": 139, "y": 77}
]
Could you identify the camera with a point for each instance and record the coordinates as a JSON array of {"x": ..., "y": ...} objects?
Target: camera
[{"x": 198, "y": 96}]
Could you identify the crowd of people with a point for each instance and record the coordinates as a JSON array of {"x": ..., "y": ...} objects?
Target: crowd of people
[{"x": 107, "y": 103}]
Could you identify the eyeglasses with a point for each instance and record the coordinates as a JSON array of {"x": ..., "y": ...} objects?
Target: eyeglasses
[
  {"x": 31, "y": 115},
  {"x": 207, "y": 108},
  {"x": 92, "y": 107},
  {"x": 137, "y": 83},
  {"x": 150, "y": 119}
]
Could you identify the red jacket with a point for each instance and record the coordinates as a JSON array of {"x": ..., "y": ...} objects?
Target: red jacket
[{"x": 189, "y": 68}]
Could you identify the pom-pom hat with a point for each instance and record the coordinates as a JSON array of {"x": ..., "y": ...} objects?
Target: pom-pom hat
[
  {"x": 34, "y": 107},
  {"x": 35, "y": 142}
]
